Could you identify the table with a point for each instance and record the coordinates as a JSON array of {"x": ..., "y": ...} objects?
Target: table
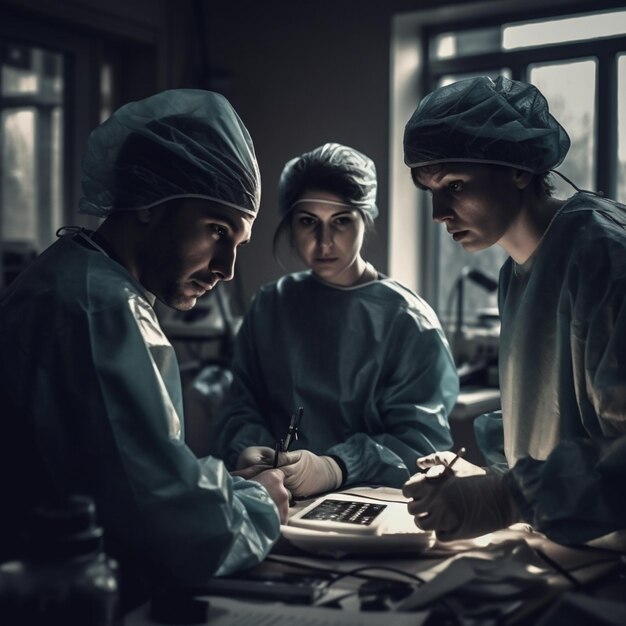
[{"x": 511, "y": 577}]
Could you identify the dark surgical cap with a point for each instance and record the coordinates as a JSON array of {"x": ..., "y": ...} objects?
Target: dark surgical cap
[
  {"x": 477, "y": 120},
  {"x": 334, "y": 168},
  {"x": 181, "y": 143}
]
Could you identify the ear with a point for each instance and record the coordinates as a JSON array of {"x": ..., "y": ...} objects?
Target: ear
[{"x": 522, "y": 178}]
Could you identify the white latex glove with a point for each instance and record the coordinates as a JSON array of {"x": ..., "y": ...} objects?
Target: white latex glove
[
  {"x": 459, "y": 508},
  {"x": 307, "y": 474},
  {"x": 255, "y": 455},
  {"x": 461, "y": 467}
]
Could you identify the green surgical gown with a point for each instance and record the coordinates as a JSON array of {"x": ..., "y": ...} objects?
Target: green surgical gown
[
  {"x": 369, "y": 364},
  {"x": 563, "y": 375},
  {"x": 92, "y": 404}
]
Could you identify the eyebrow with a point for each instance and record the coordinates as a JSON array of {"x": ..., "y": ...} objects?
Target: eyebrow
[
  {"x": 346, "y": 212},
  {"x": 224, "y": 216}
]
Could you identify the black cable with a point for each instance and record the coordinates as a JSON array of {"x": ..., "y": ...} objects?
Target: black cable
[
  {"x": 559, "y": 569},
  {"x": 358, "y": 495},
  {"x": 356, "y": 571},
  {"x": 341, "y": 574}
]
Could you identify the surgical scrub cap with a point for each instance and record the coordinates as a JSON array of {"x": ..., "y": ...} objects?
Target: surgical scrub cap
[
  {"x": 321, "y": 166},
  {"x": 181, "y": 143},
  {"x": 504, "y": 123}
]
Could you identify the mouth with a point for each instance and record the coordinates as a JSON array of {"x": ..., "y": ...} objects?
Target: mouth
[
  {"x": 326, "y": 260},
  {"x": 200, "y": 288},
  {"x": 457, "y": 235}
]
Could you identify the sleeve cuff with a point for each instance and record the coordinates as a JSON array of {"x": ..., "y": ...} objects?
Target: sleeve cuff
[{"x": 342, "y": 467}]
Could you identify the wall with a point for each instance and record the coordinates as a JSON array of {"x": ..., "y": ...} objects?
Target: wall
[{"x": 301, "y": 74}]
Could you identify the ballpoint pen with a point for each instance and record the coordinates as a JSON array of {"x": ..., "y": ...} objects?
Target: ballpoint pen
[
  {"x": 447, "y": 468},
  {"x": 457, "y": 456},
  {"x": 292, "y": 433}
]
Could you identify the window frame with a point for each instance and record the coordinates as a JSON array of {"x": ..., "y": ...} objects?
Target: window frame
[{"x": 428, "y": 24}]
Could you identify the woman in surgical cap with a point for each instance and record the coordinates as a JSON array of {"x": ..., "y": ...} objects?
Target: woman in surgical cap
[
  {"x": 557, "y": 450},
  {"x": 363, "y": 356}
]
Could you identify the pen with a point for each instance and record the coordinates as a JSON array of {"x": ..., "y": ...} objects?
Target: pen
[
  {"x": 457, "y": 456},
  {"x": 277, "y": 449},
  {"x": 292, "y": 433}
]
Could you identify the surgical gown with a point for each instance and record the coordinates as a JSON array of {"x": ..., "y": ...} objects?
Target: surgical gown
[
  {"x": 369, "y": 364},
  {"x": 92, "y": 404},
  {"x": 563, "y": 374}
]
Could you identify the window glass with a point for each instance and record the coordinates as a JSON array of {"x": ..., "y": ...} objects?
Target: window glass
[
  {"x": 19, "y": 183},
  {"x": 106, "y": 91},
  {"x": 561, "y": 30},
  {"x": 465, "y": 43},
  {"x": 31, "y": 134},
  {"x": 621, "y": 127},
  {"x": 564, "y": 84},
  {"x": 19, "y": 75}
]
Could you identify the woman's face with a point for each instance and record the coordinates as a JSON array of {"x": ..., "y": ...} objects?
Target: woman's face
[
  {"x": 477, "y": 203},
  {"x": 329, "y": 237}
]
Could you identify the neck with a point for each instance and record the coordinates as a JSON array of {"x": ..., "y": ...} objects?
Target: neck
[
  {"x": 526, "y": 232},
  {"x": 368, "y": 274},
  {"x": 118, "y": 233}
]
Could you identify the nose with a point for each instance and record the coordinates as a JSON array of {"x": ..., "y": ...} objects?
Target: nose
[
  {"x": 222, "y": 263},
  {"x": 441, "y": 209},
  {"x": 324, "y": 236}
]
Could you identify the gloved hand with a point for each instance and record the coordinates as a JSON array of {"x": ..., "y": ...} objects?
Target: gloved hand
[
  {"x": 459, "y": 508},
  {"x": 255, "y": 455},
  {"x": 307, "y": 474},
  {"x": 460, "y": 468}
]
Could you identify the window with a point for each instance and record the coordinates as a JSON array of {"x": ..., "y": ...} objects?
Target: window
[
  {"x": 31, "y": 135},
  {"x": 578, "y": 61}
]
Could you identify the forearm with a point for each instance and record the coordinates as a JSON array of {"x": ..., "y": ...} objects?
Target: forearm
[
  {"x": 367, "y": 461},
  {"x": 572, "y": 495}
]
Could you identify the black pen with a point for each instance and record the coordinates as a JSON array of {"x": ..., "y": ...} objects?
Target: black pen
[
  {"x": 292, "y": 433},
  {"x": 277, "y": 449},
  {"x": 457, "y": 456}
]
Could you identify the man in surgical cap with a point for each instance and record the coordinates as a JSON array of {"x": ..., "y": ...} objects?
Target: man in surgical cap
[
  {"x": 91, "y": 387},
  {"x": 557, "y": 450}
]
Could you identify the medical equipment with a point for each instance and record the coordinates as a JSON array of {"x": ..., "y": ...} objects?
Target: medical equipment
[{"x": 347, "y": 513}]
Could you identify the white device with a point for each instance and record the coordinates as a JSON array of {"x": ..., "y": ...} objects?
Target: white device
[{"x": 352, "y": 514}]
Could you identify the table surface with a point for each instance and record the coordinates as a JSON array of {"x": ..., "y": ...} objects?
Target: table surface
[{"x": 515, "y": 574}]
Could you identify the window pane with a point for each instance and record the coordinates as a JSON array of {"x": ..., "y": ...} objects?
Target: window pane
[
  {"x": 19, "y": 184},
  {"x": 546, "y": 32},
  {"x": 570, "y": 89},
  {"x": 18, "y": 73},
  {"x": 621, "y": 128},
  {"x": 31, "y": 135},
  {"x": 465, "y": 43}
]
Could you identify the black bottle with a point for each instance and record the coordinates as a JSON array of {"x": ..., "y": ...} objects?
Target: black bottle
[{"x": 64, "y": 576}]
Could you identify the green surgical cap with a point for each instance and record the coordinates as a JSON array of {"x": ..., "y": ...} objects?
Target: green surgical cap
[
  {"x": 181, "y": 143},
  {"x": 506, "y": 122},
  {"x": 331, "y": 167}
]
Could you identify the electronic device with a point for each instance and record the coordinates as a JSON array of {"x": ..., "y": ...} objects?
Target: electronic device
[
  {"x": 347, "y": 513},
  {"x": 291, "y": 589}
]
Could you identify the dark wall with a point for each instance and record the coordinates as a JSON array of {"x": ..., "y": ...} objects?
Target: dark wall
[{"x": 301, "y": 74}]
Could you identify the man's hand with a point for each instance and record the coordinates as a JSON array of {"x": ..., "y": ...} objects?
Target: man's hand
[
  {"x": 459, "y": 508},
  {"x": 273, "y": 481},
  {"x": 255, "y": 455},
  {"x": 307, "y": 474},
  {"x": 461, "y": 467}
]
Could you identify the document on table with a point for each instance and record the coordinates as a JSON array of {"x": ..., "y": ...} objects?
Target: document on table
[{"x": 229, "y": 612}]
